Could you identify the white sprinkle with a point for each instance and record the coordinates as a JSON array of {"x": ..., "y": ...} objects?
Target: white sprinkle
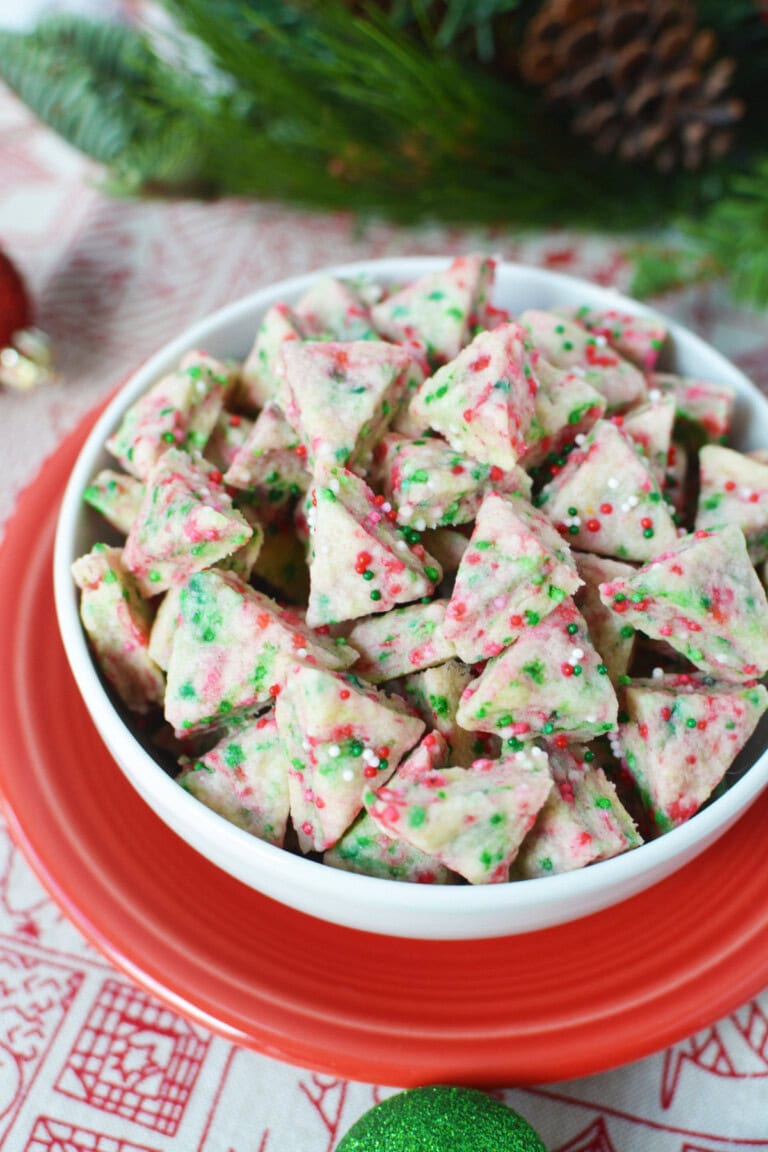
[
  {"x": 590, "y": 719},
  {"x": 580, "y": 439},
  {"x": 721, "y": 659},
  {"x": 334, "y": 751},
  {"x": 401, "y": 546},
  {"x": 577, "y": 370},
  {"x": 601, "y": 341},
  {"x": 386, "y": 506},
  {"x": 536, "y": 751},
  {"x": 576, "y": 655},
  {"x": 334, "y": 485},
  {"x": 421, "y": 524},
  {"x": 302, "y": 653},
  {"x": 306, "y": 745},
  {"x": 348, "y": 775},
  {"x": 658, "y": 673},
  {"x": 499, "y": 602},
  {"x": 654, "y": 395},
  {"x": 613, "y": 483},
  {"x": 405, "y": 512},
  {"x": 633, "y": 501},
  {"x": 746, "y": 493}
]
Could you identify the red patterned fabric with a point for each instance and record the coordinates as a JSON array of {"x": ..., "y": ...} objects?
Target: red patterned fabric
[{"x": 88, "y": 1062}]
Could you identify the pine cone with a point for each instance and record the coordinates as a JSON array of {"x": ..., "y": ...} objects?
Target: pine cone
[{"x": 637, "y": 77}]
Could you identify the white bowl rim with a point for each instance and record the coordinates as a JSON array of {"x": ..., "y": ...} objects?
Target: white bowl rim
[{"x": 310, "y": 875}]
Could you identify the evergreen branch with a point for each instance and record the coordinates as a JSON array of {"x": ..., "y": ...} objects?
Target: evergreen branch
[{"x": 734, "y": 232}]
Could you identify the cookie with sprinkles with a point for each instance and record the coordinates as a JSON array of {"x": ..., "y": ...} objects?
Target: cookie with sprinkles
[
  {"x": 675, "y": 488},
  {"x": 432, "y": 485},
  {"x": 442, "y": 309},
  {"x": 551, "y": 681},
  {"x": 566, "y": 406},
  {"x": 613, "y": 639},
  {"x": 340, "y": 396},
  {"x": 704, "y": 598},
  {"x": 341, "y": 736},
  {"x": 401, "y": 641},
  {"x": 581, "y": 822},
  {"x": 186, "y": 522},
  {"x": 435, "y": 693},
  {"x": 117, "y": 496},
  {"x": 733, "y": 489},
  {"x": 164, "y": 625},
  {"x": 117, "y": 622},
  {"x": 334, "y": 309},
  {"x": 471, "y": 819},
  {"x": 180, "y": 411},
  {"x": 260, "y": 381},
  {"x": 225, "y": 649},
  {"x": 605, "y": 499},
  {"x": 365, "y": 849},
  {"x": 703, "y": 410},
  {"x": 271, "y": 463},
  {"x": 649, "y": 427},
  {"x": 244, "y": 778},
  {"x": 567, "y": 345},
  {"x": 230, "y": 432},
  {"x": 447, "y": 545},
  {"x": 638, "y": 338},
  {"x": 360, "y": 562},
  {"x": 681, "y": 736},
  {"x": 516, "y": 569},
  {"x": 483, "y": 401},
  {"x": 282, "y": 561}
]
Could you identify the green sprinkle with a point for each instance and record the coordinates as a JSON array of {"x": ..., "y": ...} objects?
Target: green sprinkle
[
  {"x": 577, "y": 669},
  {"x": 356, "y": 748},
  {"x": 548, "y": 728},
  {"x": 602, "y": 670},
  {"x": 690, "y": 722},
  {"x": 368, "y": 574},
  {"x": 572, "y": 629},
  {"x": 624, "y": 680},
  {"x": 432, "y": 573},
  {"x": 573, "y": 511},
  {"x": 375, "y": 595},
  {"x": 627, "y": 631},
  {"x": 589, "y": 755},
  {"x": 602, "y": 802},
  {"x": 168, "y": 438},
  {"x": 648, "y": 533}
]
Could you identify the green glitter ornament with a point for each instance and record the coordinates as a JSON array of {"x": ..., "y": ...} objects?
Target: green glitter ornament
[{"x": 441, "y": 1119}]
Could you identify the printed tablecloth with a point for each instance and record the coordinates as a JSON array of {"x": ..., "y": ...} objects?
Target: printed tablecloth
[{"x": 88, "y": 1061}]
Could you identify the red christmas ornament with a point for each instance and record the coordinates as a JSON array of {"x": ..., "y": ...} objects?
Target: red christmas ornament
[
  {"x": 25, "y": 358},
  {"x": 15, "y": 306}
]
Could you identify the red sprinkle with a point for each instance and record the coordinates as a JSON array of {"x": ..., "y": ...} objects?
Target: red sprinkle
[
  {"x": 593, "y": 525},
  {"x": 307, "y": 828},
  {"x": 666, "y": 713},
  {"x": 344, "y": 694},
  {"x": 496, "y": 473},
  {"x": 561, "y": 741},
  {"x": 515, "y": 621},
  {"x": 215, "y": 476},
  {"x": 457, "y": 470},
  {"x": 646, "y": 522},
  {"x": 566, "y": 669},
  {"x": 274, "y": 689},
  {"x": 730, "y": 485},
  {"x": 234, "y": 420},
  {"x": 369, "y": 772},
  {"x": 300, "y": 451},
  {"x": 606, "y": 509}
]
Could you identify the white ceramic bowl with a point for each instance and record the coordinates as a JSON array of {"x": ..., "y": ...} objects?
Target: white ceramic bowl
[{"x": 363, "y": 902}]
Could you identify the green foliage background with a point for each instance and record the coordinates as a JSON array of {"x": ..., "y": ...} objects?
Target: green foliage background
[{"x": 408, "y": 109}]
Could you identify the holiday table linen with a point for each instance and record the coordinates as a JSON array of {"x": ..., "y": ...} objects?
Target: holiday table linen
[{"x": 88, "y": 1059}]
